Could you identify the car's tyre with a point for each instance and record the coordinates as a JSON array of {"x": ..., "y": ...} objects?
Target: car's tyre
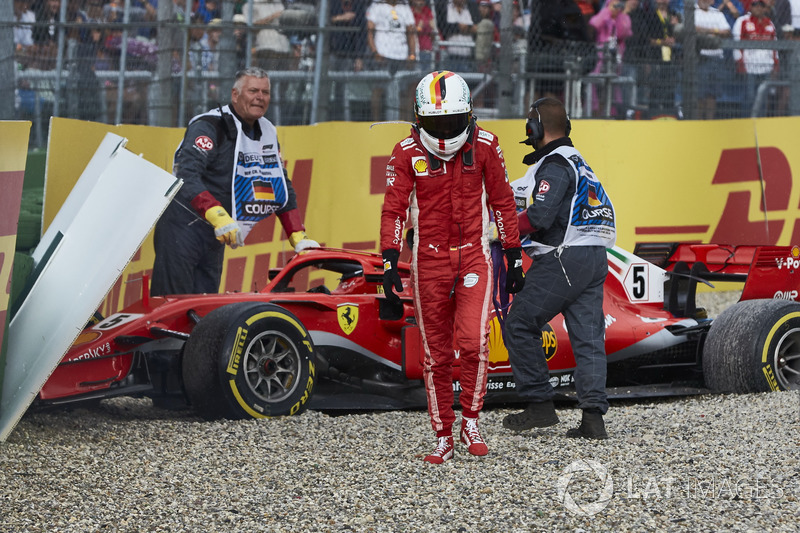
[
  {"x": 754, "y": 346},
  {"x": 249, "y": 360}
]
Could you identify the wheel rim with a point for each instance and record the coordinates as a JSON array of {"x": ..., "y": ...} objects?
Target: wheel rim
[
  {"x": 272, "y": 366},
  {"x": 787, "y": 360}
]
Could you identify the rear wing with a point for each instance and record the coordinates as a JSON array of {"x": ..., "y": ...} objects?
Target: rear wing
[{"x": 771, "y": 272}]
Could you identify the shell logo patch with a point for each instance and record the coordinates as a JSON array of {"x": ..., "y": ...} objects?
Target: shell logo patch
[
  {"x": 204, "y": 143},
  {"x": 348, "y": 317},
  {"x": 420, "y": 166}
]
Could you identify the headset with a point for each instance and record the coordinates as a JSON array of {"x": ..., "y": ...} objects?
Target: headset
[{"x": 534, "y": 129}]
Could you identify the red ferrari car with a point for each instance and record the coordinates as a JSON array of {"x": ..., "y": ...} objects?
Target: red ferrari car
[{"x": 322, "y": 335}]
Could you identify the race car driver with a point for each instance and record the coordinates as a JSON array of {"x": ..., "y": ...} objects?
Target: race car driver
[
  {"x": 233, "y": 177},
  {"x": 448, "y": 173},
  {"x": 567, "y": 221}
]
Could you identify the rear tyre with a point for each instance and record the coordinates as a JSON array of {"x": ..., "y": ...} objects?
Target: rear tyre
[
  {"x": 754, "y": 346},
  {"x": 249, "y": 360}
]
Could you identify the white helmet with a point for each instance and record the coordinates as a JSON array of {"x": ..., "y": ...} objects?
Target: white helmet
[{"x": 443, "y": 109}]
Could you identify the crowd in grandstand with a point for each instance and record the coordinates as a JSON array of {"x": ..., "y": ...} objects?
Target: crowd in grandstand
[{"x": 640, "y": 41}]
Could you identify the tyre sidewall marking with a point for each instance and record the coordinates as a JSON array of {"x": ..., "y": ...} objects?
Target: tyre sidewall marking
[
  {"x": 282, "y": 316},
  {"x": 766, "y": 364},
  {"x": 236, "y": 351},
  {"x": 243, "y": 403}
]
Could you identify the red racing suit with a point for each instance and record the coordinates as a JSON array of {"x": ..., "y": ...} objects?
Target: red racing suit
[{"x": 451, "y": 266}]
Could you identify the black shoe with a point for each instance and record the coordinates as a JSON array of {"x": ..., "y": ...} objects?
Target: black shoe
[
  {"x": 592, "y": 426},
  {"x": 536, "y": 415}
]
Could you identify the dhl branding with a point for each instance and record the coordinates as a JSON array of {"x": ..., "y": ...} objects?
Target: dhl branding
[
  {"x": 738, "y": 171},
  {"x": 740, "y": 214}
]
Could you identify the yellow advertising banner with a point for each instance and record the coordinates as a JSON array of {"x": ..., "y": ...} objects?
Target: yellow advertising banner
[
  {"x": 699, "y": 181},
  {"x": 13, "y": 154}
]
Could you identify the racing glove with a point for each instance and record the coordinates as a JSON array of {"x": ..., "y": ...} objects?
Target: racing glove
[
  {"x": 226, "y": 230},
  {"x": 300, "y": 241},
  {"x": 515, "y": 277},
  {"x": 391, "y": 277}
]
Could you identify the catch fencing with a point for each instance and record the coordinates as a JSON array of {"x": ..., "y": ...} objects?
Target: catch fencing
[{"x": 138, "y": 62}]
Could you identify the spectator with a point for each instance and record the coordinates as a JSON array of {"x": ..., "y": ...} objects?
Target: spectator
[
  {"x": 652, "y": 50},
  {"x": 140, "y": 11},
  {"x": 200, "y": 55},
  {"x": 82, "y": 52},
  {"x": 589, "y": 8},
  {"x": 710, "y": 26},
  {"x": 213, "y": 35},
  {"x": 391, "y": 38},
  {"x": 23, "y": 33},
  {"x": 25, "y": 96},
  {"x": 240, "y": 40},
  {"x": 756, "y": 65},
  {"x": 612, "y": 27},
  {"x": 486, "y": 35},
  {"x": 459, "y": 37},
  {"x": 732, "y": 9},
  {"x": 348, "y": 50},
  {"x": 349, "y": 45},
  {"x": 780, "y": 12},
  {"x": 497, "y": 12},
  {"x": 520, "y": 23},
  {"x": 272, "y": 48},
  {"x": 208, "y": 10},
  {"x": 94, "y": 11},
  {"x": 179, "y": 11},
  {"x": 559, "y": 37},
  {"x": 426, "y": 33},
  {"x": 47, "y": 16}
]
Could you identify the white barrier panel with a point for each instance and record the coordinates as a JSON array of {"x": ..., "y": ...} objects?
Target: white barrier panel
[{"x": 112, "y": 208}]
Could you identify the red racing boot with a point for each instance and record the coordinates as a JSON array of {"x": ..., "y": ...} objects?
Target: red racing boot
[
  {"x": 443, "y": 452},
  {"x": 471, "y": 436}
]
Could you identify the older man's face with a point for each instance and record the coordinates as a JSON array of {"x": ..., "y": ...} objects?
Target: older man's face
[{"x": 252, "y": 100}]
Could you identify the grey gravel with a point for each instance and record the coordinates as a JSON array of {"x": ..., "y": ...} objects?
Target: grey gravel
[{"x": 704, "y": 463}]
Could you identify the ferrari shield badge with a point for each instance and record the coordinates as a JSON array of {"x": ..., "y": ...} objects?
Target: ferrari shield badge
[{"x": 348, "y": 317}]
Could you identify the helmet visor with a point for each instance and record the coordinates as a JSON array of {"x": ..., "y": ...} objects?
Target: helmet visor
[{"x": 444, "y": 126}]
